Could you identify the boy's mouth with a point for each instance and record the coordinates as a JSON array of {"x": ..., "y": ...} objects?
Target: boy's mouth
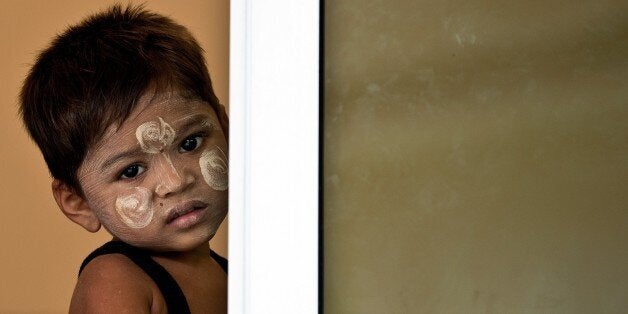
[{"x": 184, "y": 209}]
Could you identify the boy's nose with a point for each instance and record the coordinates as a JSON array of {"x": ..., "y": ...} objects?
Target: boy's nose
[{"x": 169, "y": 179}]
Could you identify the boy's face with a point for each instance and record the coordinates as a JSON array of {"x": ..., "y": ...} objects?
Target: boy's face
[{"x": 159, "y": 180}]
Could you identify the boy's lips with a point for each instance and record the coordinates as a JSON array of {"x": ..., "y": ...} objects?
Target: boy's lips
[{"x": 183, "y": 209}]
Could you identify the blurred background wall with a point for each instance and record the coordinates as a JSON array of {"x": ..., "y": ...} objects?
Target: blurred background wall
[
  {"x": 41, "y": 249},
  {"x": 476, "y": 156}
]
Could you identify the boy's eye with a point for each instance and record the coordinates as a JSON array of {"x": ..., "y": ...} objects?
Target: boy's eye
[
  {"x": 132, "y": 171},
  {"x": 191, "y": 143}
]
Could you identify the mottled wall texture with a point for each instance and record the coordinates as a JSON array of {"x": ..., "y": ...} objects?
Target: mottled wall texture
[{"x": 476, "y": 156}]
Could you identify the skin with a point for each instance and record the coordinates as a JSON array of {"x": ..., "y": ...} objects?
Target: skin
[{"x": 132, "y": 179}]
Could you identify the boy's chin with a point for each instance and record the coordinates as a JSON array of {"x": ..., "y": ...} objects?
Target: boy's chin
[{"x": 179, "y": 243}]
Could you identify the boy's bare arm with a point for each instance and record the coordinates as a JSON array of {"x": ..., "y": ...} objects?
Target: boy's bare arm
[{"x": 114, "y": 284}]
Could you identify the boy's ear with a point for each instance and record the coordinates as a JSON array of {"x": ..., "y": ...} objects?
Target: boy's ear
[{"x": 74, "y": 206}]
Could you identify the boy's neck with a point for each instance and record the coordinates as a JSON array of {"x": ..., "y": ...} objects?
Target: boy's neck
[{"x": 193, "y": 257}]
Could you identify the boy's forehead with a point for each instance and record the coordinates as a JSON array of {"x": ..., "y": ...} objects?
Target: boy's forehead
[{"x": 164, "y": 103}]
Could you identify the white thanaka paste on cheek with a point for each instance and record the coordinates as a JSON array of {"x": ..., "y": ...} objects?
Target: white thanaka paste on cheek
[
  {"x": 215, "y": 168},
  {"x": 135, "y": 209}
]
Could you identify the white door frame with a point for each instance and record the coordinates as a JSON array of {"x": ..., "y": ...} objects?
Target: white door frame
[{"x": 274, "y": 156}]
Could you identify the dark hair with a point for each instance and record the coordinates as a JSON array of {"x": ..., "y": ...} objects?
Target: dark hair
[{"x": 93, "y": 75}]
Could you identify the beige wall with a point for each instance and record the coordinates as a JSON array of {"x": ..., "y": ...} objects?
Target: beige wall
[
  {"x": 476, "y": 157},
  {"x": 41, "y": 249}
]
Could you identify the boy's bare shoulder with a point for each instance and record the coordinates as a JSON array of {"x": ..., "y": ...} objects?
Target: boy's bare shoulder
[{"x": 112, "y": 283}]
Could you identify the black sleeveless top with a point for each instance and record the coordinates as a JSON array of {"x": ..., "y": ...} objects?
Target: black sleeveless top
[{"x": 175, "y": 300}]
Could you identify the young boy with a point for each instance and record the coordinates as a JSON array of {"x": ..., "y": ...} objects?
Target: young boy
[{"x": 122, "y": 108}]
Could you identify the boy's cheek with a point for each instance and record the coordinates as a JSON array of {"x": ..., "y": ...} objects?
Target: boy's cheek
[
  {"x": 128, "y": 224},
  {"x": 117, "y": 208},
  {"x": 135, "y": 208}
]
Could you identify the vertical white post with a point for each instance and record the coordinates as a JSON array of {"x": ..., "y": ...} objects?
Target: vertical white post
[{"x": 273, "y": 197}]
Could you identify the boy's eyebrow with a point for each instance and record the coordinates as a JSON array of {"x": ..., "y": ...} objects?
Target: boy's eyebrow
[
  {"x": 193, "y": 120},
  {"x": 134, "y": 151}
]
